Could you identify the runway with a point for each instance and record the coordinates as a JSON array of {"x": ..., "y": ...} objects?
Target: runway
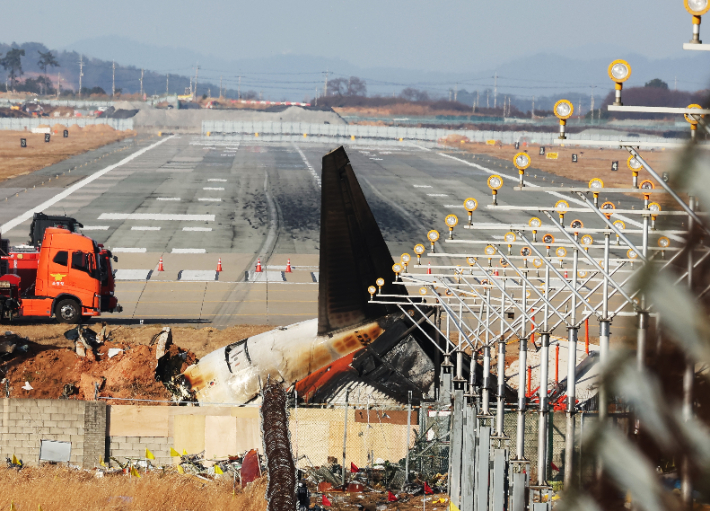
[{"x": 194, "y": 201}]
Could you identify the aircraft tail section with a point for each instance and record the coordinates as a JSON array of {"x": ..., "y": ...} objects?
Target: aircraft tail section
[{"x": 353, "y": 253}]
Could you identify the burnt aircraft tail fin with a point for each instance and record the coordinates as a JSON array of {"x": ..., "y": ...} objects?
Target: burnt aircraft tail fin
[{"x": 353, "y": 253}]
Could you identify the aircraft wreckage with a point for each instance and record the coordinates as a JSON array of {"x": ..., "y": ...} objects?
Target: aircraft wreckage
[{"x": 352, "y": 342}]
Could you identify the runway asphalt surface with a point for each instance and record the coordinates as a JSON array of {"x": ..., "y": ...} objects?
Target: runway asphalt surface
[{"x": 192, "y": 201}]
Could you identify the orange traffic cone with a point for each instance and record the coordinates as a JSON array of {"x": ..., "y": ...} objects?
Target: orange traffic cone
[
  {"x": 258, "y": 266},
  {"x": 219, "y": 264},
  {"x": 428, "y": 270},
  {"x": 288, "y": 267},
  {"x": 160, "y": 265},
  {"x": 495, "y": 272},
  {"x": 565, "y": 273}
]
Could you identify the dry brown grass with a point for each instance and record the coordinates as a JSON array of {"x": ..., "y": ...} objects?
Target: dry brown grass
[
  {"x": 62, "y": 489},
  {"x": 17, "y": 161}
]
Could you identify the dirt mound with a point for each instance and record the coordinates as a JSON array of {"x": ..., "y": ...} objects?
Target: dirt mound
[
  {"x": 58, "y": 128},
  {"x": 121, "y": 369},
  {"x": 99, "y": 128},
  {"x": 75, "y": 128}
]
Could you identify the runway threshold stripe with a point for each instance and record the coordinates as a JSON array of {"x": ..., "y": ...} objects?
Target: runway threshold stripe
[
  {"x": 94, "y": 228},
  {"x": 168, "y": 198},
  {"x": 144, "y": 228},
  {"x": 209, "y": 199},
  {"x": 197, "y": 229},
  {"x": 188, "y": 251},
  {"x": 77, "y": 186},
  {"x": 156, "y": 217},
  {"x": 128, "y": 250}
]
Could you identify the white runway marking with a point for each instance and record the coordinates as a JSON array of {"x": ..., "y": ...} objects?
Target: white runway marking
[
  {"x": 197, "y": 229},
  {"x": 436, "y": 195},
  {"x": 144, "y": 228},
  {"x": 156, "y": 217},
  {"x": 133, "y": 274},
  {"x": 94, "y": 228},
  {"x": 217, "y": 180},
  {"x": 212, "y": 188},
  {"x": 453, "y": 206},
  {"x": 209, "y": 199},
  {"x": 168, "y": 198},
  {"x": 421, "y": 186},
  {"x": 188, "y": 251},
  {"x": 77, "y": 186},
  {"x": 310, "y": 167},
  {"x": 128, "y": 250},
  {"x": 198, "y": 275}
]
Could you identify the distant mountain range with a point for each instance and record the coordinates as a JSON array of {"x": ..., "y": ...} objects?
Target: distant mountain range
[{"x": 577, "y": 73}]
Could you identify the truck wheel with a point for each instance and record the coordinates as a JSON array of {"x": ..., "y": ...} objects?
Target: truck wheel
[{"x": 68, "y": 311}]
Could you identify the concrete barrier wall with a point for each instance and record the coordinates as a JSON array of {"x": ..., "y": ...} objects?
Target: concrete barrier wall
[
  {"x": 251, "y": 128},
  {"x": 25, "y": 422},
  {"x": 97, "y": 431}
]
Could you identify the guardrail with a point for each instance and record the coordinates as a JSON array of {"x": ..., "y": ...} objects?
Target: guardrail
[{"x": 396, "y": 133}]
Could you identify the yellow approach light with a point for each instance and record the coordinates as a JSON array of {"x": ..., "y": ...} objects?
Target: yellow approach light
[
  {"x": 561, "y": 252},
  {"x": 509, "y": 237},
  {"x": 380, "y": 282},
  {"x": 422, "y": 291},
  {"x": 451, "y": 222},
  {"x": 470, "y": 205},
  {"x": 562, "y": 206},
  {"x": 495, "y": 183},
  {"x": 419, "y": 250},
  {"x": 664, "y": 242},
  {"x": 697, "y": 8},
  {"x": 405, "y": 259},
  {"x": 631, "y": 254},
  {"x": 619, "y": 72},
  {"x": 608, "y": 208},
  {"x": 372, "y": 290},
  {"x": 490, "y": 250},
  {"x": 521, "y": 162},
  {"x": 563, "y": 110},
  {"x": 537, "y": 262},
  {"x": 548, "y": 239},
  {"x": 433, "y": 237},
  {"x": 693, "y": 120}
]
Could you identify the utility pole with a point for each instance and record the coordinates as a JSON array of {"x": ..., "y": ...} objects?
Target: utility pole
[
  {"x": 81, "y": 71},
  {"x": 113, "y": 78},
  {"x": 239, "y": 89},
  {"x": 167, "y": 84},
  {"x": 316, "y": 96},
  {"x": 220, "y": 87},
  {"x": 676, "y": 83},
  {"x": 456, "y": 92},
  {"x": 579, "y": 112},
  {"x": 197, "y": 75},
  {"x": 591, "y": 108},
  {"x": 495, "y": 90},
  {"x": 141, "y": 83},
  {"x": 59, "y": 80},
  {"x": 532, "y": 114},
  {"x": 488, "y": 99}
]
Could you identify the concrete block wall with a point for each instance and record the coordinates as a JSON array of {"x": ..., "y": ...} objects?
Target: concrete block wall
[
  {"x": 25, "y": 422},
  {"x": 121, "y": 447}
]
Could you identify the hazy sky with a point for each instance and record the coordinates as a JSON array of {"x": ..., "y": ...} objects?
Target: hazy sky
[{"x": 443, "y": 35}]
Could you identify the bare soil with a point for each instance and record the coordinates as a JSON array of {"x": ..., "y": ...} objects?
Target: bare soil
[
  {"x": 38, "y": 154},
  {"x": 50, "y": 361}
]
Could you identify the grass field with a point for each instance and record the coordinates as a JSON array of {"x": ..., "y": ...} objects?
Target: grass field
[
  {"x": 63, "y": 489},
  {"x": 38, "y": 154}
]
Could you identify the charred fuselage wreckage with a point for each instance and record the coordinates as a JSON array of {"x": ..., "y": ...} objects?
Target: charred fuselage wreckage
[{"x": 352, "y": 342}]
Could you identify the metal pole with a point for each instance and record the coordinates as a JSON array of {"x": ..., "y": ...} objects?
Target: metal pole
[
  {"x": 409, "y": 432},
  {"x": 500, "y": 410},
  {"x": 485, "y": 393},
  {"x": 571, "y": 380},
  {"x": 345, "y": 433},
  {"x": 686, "y": 484},
  {"x": 522, "y": 373},
  {"x": 542, "y": 392}
]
